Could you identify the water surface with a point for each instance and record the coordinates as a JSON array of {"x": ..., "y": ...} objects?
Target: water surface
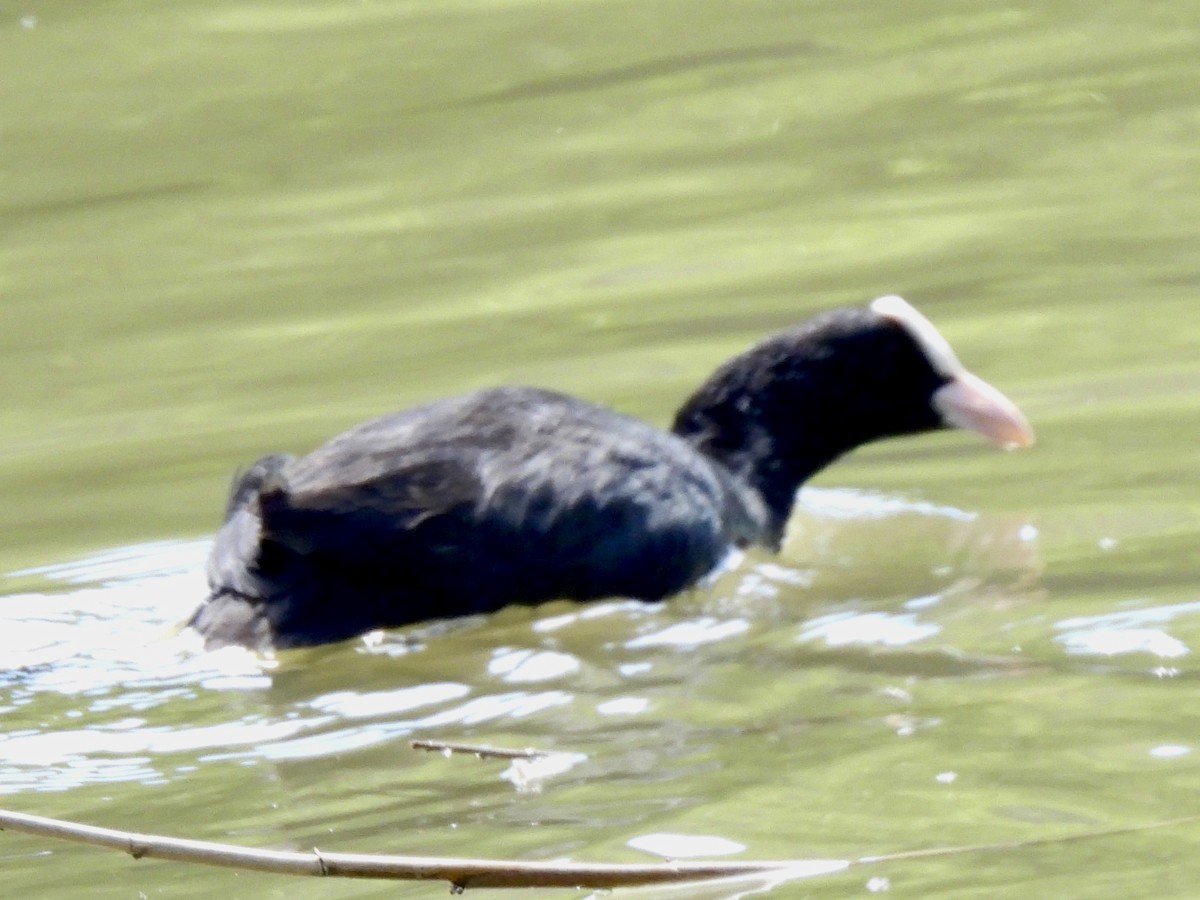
[{"x": 233, "y": 229}]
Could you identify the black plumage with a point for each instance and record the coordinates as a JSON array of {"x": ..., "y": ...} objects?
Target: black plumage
[{"x": 521, "y": 495}]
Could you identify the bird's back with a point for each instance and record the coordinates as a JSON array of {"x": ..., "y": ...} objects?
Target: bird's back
[{"x": 511, "y": 495}]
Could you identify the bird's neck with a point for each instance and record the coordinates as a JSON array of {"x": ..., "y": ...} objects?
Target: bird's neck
[{"x": 762, "y": 441}]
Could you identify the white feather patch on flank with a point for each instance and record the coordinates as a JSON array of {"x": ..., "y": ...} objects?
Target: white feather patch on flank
[{"x": 937, "y": 349}]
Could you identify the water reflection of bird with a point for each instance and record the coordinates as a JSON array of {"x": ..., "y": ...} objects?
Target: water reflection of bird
[{"x": 521, "y": 495}]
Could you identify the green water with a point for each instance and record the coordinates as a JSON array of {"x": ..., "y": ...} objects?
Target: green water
[{"x": 228, "y": 229}]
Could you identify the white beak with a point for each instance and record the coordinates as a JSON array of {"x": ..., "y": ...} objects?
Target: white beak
[{"x": 969, "y": 402}]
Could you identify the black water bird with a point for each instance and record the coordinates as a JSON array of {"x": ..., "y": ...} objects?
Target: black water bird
[{"x": 521, "y": 495}]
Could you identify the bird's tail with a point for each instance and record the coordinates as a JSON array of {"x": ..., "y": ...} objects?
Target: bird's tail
[{"x": 233, "y": 612}]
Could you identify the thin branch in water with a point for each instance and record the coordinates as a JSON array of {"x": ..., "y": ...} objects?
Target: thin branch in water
[
  {"x": 1027, "y": 843},
  {"x": 480, "y": 750},
  {"x": 464, "y": 873},
  {"x": 460, "y": 873}
]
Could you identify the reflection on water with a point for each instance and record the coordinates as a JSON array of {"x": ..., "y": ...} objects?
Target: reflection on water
[
  {"x": 1141, "y": 630},
  {"x": 683, "y": 846},
  {"x": 887, "y": 629}
]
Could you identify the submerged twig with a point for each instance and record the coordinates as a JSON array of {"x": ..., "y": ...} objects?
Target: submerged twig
[{"x": 481, "y": 750}]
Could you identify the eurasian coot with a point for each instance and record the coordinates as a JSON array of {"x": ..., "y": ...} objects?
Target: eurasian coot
[{"x": 521, "y": 495}]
